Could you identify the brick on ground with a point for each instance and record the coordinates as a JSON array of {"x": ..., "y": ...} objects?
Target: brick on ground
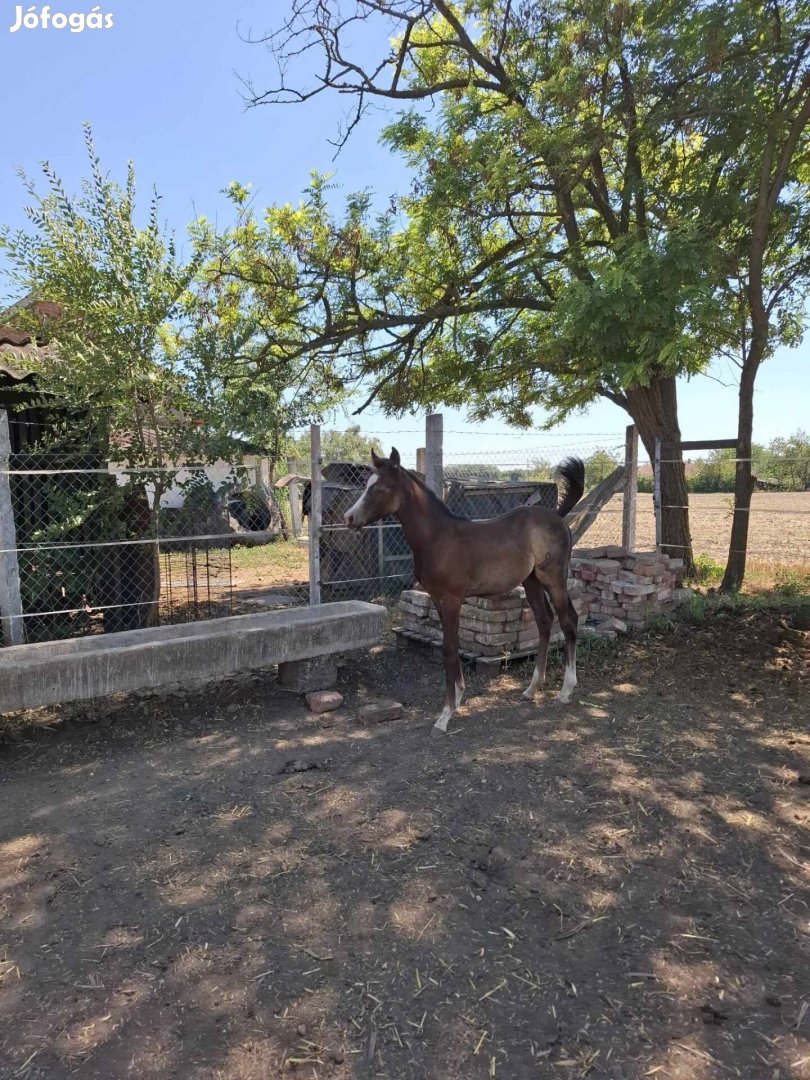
[
  {"x": 324, "y": 701},
  {"x": 377, "y": 712}
]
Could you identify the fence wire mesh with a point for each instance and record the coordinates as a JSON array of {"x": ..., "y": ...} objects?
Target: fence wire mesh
[
  {"x": 100, "y": 549},
  {"x": 96, "y": 555}
]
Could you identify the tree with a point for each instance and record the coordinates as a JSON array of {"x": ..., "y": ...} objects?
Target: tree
[
  {"x": 348, "y": 445},
  {"x": 169, "y": 362},
  {"x": 788, "y": 462},
  {"x": 598, "y": 467},
  {"x": 713, "y": 473},
  {"x": 754, "y": 188},
  {"x": 116, "y": 287},
  {"x": 596, "y": 187},
  {"x": 548, "y": 252}
]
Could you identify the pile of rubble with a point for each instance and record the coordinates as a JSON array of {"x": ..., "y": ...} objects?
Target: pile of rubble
[{"x": 611, "y": 590}]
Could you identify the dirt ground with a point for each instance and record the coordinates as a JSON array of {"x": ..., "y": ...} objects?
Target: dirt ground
[
  {"x": 616, "y": 888},
  {"x": 779, "y": 532}
]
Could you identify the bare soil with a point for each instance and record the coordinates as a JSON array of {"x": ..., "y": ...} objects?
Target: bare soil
[
  {"x": 616, "y": 888},
  {"x": 779, "y": 530}
]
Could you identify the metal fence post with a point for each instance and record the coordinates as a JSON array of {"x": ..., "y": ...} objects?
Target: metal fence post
[
  {"x": 10, "y": 599},
  {"x": 434, "y": 437},
  {"x": 657, "y": 492},
  {"x": 630, "y": 488},
  {"x": 315, "y": 515}
]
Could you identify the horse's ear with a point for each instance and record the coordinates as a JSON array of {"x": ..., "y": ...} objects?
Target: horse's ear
[
  {"x": 394, "y": 458},
  {"x": 377, "y": 461}
]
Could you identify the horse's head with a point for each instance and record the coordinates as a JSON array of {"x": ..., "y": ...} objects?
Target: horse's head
[{"x": 383, "y": 494}]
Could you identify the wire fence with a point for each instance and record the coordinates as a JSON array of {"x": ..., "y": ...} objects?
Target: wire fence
[{"x": 100, "y": 548}]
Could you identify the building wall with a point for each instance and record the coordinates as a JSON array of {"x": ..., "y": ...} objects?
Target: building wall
[{"x": 217, "y": 472}]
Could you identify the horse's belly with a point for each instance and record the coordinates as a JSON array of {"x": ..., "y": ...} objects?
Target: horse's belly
[{"x": 496, "y": 580}]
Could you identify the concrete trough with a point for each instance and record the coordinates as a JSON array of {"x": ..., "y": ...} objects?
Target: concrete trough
[{"x": 80, "y": 669}]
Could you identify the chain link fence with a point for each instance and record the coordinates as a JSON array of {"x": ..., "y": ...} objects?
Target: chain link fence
[{"x": 99, "y": 549}]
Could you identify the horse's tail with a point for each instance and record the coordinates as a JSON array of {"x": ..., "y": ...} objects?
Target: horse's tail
[{"x": 572, "y": 484}]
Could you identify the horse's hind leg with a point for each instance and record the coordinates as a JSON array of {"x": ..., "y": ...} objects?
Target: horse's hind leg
[
  {"x": 454, "y": 678},
  {"x": 538, "y": 601},
  {"x": 567, "y": 615}
]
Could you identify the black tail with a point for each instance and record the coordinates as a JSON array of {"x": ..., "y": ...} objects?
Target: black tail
[{"x": 572, "y": 484}]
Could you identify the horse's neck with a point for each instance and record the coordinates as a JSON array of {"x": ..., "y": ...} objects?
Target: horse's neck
[{"x": 419, "y": 517}]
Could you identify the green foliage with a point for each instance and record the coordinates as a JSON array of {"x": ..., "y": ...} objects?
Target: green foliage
[
  {"x": 707, "y": 571},
  {"x": 695, "y": 609},
  {"x": 169, "y": 359},
  {"x": 792, "y": 584},
  {"x": 580, "y": 210},
  {"x": 787, "y": 461},
  {"x": 598, "y": 466},
  {"x": 348, "y": 445},
  {"x": 120, "y": 287},
  {"x": 714, "y": 473}
]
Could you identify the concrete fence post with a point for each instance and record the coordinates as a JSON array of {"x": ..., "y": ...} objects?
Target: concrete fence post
[
  {"x": 315, "y": 515},
  {"x": 630, "y": 488},
  {"x": 10, "y": 598},
  {"x": 421, "y": 466},
  {"x": 434, "y": 466},
  {"x": 295, "y": 507}
]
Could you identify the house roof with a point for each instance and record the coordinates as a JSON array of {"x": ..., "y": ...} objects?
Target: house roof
[{"x": 19, "y": 349}]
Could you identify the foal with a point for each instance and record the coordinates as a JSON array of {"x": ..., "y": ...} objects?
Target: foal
[{"x": 454, "y": 557}]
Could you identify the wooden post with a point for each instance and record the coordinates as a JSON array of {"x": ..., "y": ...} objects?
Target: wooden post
[
  {"x": 315, "y": 515},
  {"x": 10, "y": 599},
  {"x": 630, "y": 489},
  {"x": 421, "y": 465},
  {"x": 295, "y": 507},
  {"x": 434, "y": 437},
  {"x": 657, "y": 492}
]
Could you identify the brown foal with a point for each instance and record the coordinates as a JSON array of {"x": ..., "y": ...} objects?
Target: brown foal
[{"x": 454, "y": 557}]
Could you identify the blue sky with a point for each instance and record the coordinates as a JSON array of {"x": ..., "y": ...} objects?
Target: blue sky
[{"x": 162, "y": 88}]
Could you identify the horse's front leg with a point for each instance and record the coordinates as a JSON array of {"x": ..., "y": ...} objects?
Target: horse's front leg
[{"x": 450, "y": 609}]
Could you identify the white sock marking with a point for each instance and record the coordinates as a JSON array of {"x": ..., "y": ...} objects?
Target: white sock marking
[
  {"x": 538, "y": 680},
  {"x": 569, "y": 682}
]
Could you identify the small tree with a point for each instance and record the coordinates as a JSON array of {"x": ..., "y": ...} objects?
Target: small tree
[
  {"x": 788, "y": 462},
  {"x": 117, "y": 286},
  {"x": 170, "y": 362},
  {"x": 348, "y": 445}
]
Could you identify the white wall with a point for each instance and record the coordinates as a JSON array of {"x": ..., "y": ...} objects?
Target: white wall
[{"x": 217, "y": 472}]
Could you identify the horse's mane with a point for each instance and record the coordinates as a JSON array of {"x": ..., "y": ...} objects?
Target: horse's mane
[{"x": 433, "y": 497}]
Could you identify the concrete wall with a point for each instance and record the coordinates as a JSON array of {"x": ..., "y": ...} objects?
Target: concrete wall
[{"x": 55, "y": 672}]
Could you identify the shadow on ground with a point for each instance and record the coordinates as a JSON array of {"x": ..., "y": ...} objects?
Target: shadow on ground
[{"x": 617, "y": 888}]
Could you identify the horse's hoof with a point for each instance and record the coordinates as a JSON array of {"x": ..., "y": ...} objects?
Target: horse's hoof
[
  {"x": 437, "y": 732},
  {"x": 527, "y": 695}
]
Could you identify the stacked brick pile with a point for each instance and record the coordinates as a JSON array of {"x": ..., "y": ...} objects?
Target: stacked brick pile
[
  {"x": 626, "y": 591},
  {"x": 612, "y": 592}
]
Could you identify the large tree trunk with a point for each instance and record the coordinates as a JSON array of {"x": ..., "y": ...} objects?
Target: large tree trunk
[
  {"x": 743, "y": 478},
  {"x": 654, "y": 410}
]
